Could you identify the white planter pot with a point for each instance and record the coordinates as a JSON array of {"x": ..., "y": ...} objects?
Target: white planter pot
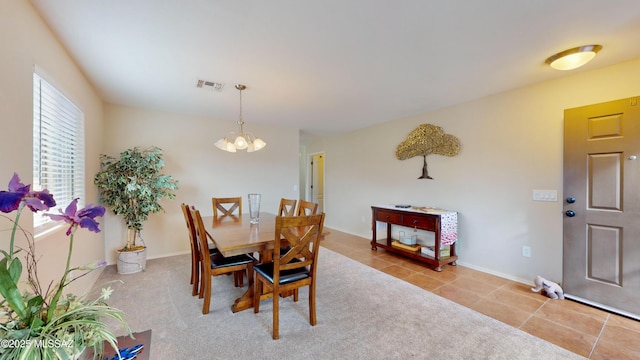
[{"x": 130, "y": 262}]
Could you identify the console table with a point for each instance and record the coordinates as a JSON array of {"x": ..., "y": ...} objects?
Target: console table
[{"x": 442, "y": 222}]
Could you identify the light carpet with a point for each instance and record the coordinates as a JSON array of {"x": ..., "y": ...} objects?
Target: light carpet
[{"x": 362, "y": 314}]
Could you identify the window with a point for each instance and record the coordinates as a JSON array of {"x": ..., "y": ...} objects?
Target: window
[{"x": 58, "y": 149}]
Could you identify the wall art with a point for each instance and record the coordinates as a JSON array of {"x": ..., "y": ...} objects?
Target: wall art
[{"x": 427, "y": 139}]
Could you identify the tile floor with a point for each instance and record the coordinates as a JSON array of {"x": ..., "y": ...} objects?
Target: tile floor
[{"x": 582, "y": 329}]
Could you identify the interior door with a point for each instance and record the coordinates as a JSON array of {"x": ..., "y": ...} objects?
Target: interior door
[
  {"x": 317, "y": 180},
  {"x": 601, "y": 248}
]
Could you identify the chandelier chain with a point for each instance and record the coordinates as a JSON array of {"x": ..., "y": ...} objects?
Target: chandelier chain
[{"x": 240, "y": 105}]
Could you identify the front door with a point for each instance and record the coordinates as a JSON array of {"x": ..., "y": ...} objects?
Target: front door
[{"x": 601, "y": 248}]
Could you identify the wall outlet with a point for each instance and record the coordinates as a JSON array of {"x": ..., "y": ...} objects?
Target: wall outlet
[{"x": 526, "y": 251}]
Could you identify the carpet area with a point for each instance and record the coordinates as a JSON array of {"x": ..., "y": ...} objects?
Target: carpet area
[{"x": 362, "y": 314}]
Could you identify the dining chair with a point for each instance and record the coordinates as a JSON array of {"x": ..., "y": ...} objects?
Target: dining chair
[
  {"x": 306, "y": 208},
  {"x": 294, "y": 269},
  {"x": 232, "y": 203},
  {"x": 287, "y": 207},
  {"x": 195, "y": 254},
  {"x": 216, "y": 264}
]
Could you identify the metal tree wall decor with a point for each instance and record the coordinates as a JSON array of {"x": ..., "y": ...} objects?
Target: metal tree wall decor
[{"x": 427, "y": 139}]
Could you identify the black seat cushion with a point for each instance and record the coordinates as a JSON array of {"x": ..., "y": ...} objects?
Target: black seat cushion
[
  {"x": 286, "y": 276},
  {"x": 218, "y": 261}
]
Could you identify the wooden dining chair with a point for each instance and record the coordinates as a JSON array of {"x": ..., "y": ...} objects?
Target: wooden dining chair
[
  {"x": 226, "y": 206},
  {"x": 295, "y": 268},
  {"x": 287, "y": 207},
  {"x": 216, "y": 264},
  {"x": 195, "y": 254},
  {"x": 306, "y": 208}
]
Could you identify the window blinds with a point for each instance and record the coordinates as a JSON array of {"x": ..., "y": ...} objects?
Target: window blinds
[{"x": 58, "y": 148}]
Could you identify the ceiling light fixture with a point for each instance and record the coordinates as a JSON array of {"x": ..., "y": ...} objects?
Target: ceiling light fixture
[
  {"x": 241, "y": 140},
  {"x": 573, "y": 58}
]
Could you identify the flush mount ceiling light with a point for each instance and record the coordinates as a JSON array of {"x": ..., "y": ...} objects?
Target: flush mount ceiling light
[
  {"x": 241, "y": 140},
  {"x": 573, "y": 58}
]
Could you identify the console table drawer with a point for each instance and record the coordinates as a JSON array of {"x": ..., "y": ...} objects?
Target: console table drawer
[
  {"x": 387, "y": 216},
  {"x": 421, "y": 222}
]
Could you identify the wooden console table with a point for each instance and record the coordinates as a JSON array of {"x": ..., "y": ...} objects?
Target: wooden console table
[{"x": 442, "y": 222}]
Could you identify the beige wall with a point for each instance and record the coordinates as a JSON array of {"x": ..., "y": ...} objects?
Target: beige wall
[
  {"x": 202, "y": 169},
  {"x": 511, "y": 144},
  {"x": 24, "y": 42}
]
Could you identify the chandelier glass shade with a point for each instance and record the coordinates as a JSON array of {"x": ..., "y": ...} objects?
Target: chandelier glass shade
[{"x": 240, "y": 140}]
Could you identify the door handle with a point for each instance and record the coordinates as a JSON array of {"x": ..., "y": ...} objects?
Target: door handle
[
  {"x": 570, "y": 213},
  {"x": 571, "y": 200}
]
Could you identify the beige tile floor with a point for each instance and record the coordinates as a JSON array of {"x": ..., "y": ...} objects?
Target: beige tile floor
[{"x": 587, "y": 331}]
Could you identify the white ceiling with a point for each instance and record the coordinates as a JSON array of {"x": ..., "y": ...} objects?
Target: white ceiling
[{"x": 330, "y": 66}]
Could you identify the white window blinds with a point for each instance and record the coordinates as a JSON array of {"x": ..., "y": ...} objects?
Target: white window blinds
[{"x": 58, "y": 149}]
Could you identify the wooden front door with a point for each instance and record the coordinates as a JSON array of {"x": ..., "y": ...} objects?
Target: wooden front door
[{"x": 601, "y": 248}]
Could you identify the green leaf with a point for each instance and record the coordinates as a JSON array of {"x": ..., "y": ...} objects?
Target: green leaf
[
  {"x": 9, "y": 289},
  {"x": 15, "y": 270}
]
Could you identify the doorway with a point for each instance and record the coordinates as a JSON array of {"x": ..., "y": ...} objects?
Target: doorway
[
  {"x": 601, "y": 226},
  {"x": 315, "y": 188}
]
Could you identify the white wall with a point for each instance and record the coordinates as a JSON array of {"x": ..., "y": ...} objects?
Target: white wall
[
  {"x": 26, "y": 41},
  {"x": 203, "y": 171},
  {"x": 511, "y": 144}
]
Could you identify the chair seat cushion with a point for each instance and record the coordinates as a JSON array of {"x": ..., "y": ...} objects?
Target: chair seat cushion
[
  {"x": 286, "y": 276},
  {"x": 219, "y": 261}
]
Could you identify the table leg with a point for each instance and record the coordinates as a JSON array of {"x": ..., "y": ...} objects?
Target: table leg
[{"x": 245, "y": 301}]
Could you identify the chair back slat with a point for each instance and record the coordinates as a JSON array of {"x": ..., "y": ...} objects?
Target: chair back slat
[
  {"x": 190, "y": 227},
  {"x": 302, "y": 235},
  {"x": 287, "y": 207},
  {"x": 195, "y": 255},
  {"x": 306, "y": 208},
  {"x": 226, "y": 206},
  {"x": 201, "y": 235}
]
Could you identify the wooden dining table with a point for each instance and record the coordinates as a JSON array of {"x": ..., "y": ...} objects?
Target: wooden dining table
[{"x": 235, "y": 235}]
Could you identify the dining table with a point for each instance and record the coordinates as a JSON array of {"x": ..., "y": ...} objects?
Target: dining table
[{"x": 235, "y": 235}]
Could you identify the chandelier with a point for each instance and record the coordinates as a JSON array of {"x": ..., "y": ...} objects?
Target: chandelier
[{"x": 241, "y": 140}]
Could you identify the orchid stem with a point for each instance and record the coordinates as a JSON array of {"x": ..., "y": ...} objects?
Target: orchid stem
[
  {"x": 61, "y": 285},
  {"x": 13, "y": 232}
]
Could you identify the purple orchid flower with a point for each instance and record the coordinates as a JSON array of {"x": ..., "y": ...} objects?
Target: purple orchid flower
[
  {"x": 18, "y": 192},
  {"x": 85, "y": 218}
]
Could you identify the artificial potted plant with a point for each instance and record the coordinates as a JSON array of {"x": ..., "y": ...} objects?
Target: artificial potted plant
[
  {"x": 45, "y": 320},
  {"x": 132, "y": 187}
]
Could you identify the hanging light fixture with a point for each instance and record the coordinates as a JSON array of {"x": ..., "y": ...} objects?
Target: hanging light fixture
[
  {"x": 241, "y": 140},
  {"x": 573, "y": 58}
]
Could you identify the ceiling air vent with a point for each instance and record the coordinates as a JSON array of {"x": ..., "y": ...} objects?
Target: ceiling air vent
[{"x": 204, "y": 84}]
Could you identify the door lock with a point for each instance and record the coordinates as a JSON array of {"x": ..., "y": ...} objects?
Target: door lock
[{"x": 570, "y": 213}]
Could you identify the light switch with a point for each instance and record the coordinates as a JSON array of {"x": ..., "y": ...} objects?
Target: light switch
[{"x": 545, "y": 195}]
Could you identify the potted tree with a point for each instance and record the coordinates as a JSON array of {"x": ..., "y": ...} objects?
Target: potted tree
[{"x": 132, "y": 187}]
